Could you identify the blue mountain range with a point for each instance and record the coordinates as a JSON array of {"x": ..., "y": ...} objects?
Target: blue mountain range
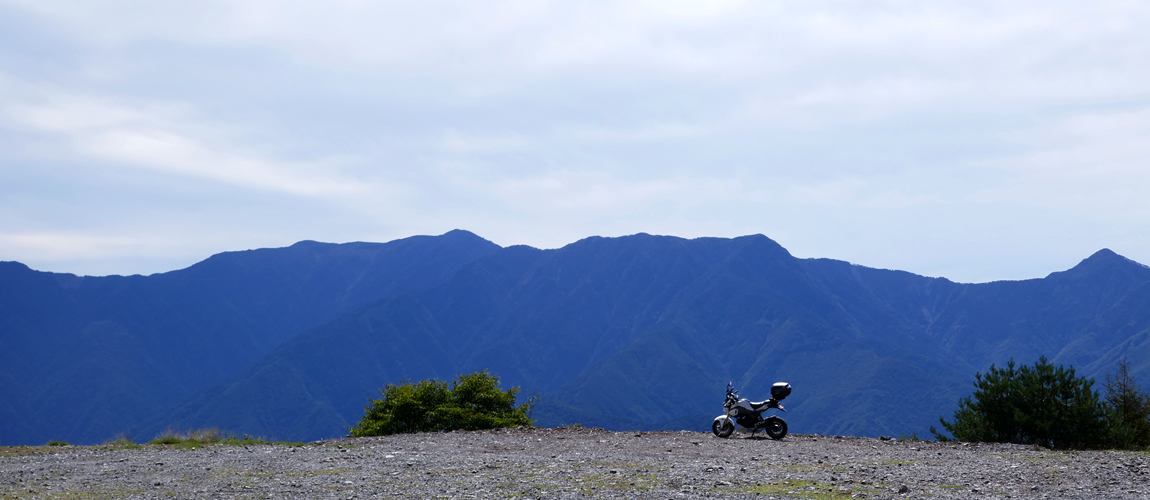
[{"x": 635, "y": 332}]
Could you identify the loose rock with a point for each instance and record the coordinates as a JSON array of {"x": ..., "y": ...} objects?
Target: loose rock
[{"x": 573, "y": 463}]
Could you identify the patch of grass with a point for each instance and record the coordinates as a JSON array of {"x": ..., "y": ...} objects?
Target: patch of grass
[
  {"x": 87, "y": 494},
  {"x": 244, "y": 441},
  {"x": 1046, "y": 458},
  {"x": 517, "y": 494},
  {"x": 615, "y": 464},
  {"x": 172, "y": 436},
  {"x": 59, "y": 443},
  {"x": 814, "y": 490},
  {"x": 24, "y": 451},
  {"x": 202, "y": 437},
  {"x": 187, "y": 445},
  {"x": 571, "y": 426},
  {"x": 589, "y": 484},
  {"x": 312, "y": 473},
  {"x": 893, "y": 461},
  {"x": 804, "y": 467},
  {"x": 121, "y": 440},
  {"x": 260, "y": 475},
  {"x": 913, "y": 437},
  {"x": 451, "y": 471}
]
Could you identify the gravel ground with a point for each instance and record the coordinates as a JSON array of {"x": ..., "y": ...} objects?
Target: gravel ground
[{"x": 574, "y": 463}]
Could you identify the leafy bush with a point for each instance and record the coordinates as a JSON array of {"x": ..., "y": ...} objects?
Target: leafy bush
[
  {"x": 1128, "y": 410},
  {"x": 473, "y": 402},
  {"x": 1044, "y": 405}
]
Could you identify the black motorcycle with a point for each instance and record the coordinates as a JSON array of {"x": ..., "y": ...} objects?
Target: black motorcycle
[{"x": 749, "y": 414}]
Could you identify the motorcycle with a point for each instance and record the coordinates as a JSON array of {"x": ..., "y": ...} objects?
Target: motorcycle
[{"x": 749, "y": 414}]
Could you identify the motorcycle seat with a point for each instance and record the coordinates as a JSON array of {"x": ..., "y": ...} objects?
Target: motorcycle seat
[{"x": 760, "y": 404}]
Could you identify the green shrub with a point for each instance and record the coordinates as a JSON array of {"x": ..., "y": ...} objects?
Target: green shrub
[
  {"x": 1044, "y": 405},
  {"x": 473, "y": 402}
]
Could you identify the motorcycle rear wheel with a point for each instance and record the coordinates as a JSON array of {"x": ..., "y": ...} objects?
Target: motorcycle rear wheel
[
  {"x": 723, "y": 428},
  {"x": 775, "y": 427}
]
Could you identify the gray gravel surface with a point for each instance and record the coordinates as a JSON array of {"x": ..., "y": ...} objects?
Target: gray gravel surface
[{"x": 574, "y": 463}]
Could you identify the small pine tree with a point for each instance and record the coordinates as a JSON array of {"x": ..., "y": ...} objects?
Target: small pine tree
[
  {"x": 473, "y": 402},
  {"x": 1044, "y": 405},
  {"x": 1128, "y": 410}
]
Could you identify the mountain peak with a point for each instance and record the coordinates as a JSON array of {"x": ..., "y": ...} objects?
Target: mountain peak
[
  {"x": 11, "y": 265},
  {"x": 1106, "y": 256},
  {"x": 307, "y": 244},
  {"x": 463, "y": 235},
  {"x": 1105, "y": 253},
  {"x": 1104, "y": 260}
]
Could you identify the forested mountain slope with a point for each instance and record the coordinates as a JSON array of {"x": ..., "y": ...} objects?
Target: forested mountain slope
[
  {"x": 83, "y": 358},
  {"x": 644, "y": 331}
]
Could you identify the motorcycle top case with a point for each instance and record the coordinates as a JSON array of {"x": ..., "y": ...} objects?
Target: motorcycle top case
[{"x": 780, "y": 390}]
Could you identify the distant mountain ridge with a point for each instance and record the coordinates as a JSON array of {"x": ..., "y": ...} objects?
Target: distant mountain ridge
[
  {"x": 84, "y": 358},
  {"x": 643, "y": 332},
  {"x": 639, "y": 331}
]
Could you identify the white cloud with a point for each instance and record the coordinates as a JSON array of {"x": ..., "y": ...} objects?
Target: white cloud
[
  {"x": 56, "y": 246},
  {"x": 852, "y": 192},
  {"x": 659, "y": 131},
  {"x": 1095, "y": 162},
  {"x": 898, "y": 199},
  {"x": 885, "y": 93},
  {"x": 71, "y": 115},
  {"x": 457, "y": 143},
  {"x": 833, "y": 194},
  {"x": 582, "y": 193},
  {"x": 161, "y": 137},
  {"x": 710, "y": 39},
  {"x": 164, "y": 151}
]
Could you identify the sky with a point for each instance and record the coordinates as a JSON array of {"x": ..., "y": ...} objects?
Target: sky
[{"x": 972, "y": 140}]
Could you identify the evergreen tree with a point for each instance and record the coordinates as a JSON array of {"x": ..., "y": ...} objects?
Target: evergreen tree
[
  {"x": 1128, "y": 408},
  {"x": 1043, "y": 404}
]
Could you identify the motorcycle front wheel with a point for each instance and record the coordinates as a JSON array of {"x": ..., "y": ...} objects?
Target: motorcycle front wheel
[
  {"x": 776, "y": 427},
  {"x": 723, "y": 428}
]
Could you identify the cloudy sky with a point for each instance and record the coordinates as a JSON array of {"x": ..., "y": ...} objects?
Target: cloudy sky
[{"x": 973, "y": 140}]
